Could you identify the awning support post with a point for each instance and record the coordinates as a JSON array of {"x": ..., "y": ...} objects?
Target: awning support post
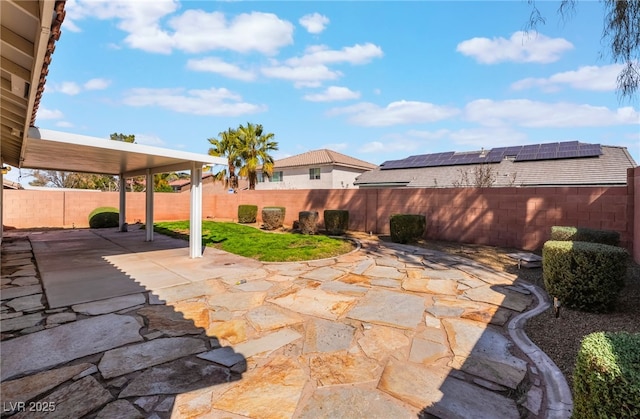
[
  {"x": 149, "y": 207},
  {"x": 123, "y": 203},
  {"x": 195, "y": 222}
]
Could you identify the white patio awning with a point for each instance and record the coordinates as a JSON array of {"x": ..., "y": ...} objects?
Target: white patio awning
[{"x": 55, "y": 150}]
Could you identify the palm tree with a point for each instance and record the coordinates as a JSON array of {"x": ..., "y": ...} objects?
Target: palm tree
[
  {"x": 227, "y": 146},
  {"x": 254, "y": 146}
]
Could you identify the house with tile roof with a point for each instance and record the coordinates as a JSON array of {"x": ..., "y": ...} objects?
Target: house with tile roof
[
  {"x": 569, "y": 163},
  {"x": 317, "y": 169}
]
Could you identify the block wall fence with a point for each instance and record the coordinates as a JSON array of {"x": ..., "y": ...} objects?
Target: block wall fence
[{"x": 512, "y": 217}]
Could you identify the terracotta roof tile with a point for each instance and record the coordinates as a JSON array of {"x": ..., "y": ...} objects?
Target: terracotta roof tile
[{"x": 323, "y": 157}]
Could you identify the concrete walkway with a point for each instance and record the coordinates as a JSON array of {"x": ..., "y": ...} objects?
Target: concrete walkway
[{"x": 139, "y": 330}]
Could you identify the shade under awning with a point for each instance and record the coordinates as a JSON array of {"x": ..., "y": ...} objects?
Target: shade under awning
[{"x": 55, "y": 150}]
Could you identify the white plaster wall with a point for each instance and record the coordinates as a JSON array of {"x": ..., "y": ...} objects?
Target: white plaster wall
[
  {"x": 343, "y": 177},
  {"x": 331, "y": 177}
]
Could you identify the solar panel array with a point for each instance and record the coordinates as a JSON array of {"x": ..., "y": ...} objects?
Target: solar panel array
[{"x": 550, "y": 151}]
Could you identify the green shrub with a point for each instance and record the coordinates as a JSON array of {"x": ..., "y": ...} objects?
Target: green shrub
[
  {"x": 407, "y": 227},
  {"x": 104, "y": 217},
  {"x": 336, "y": 222},
  {"x": 272, "y": 217},
  {"x": 580, "y": 234},
  {"x": 584, "y": 276},
  {"x": 247, "y": 213},
  {"x": 606, "y": 380},
  {"x": 308, "y": 222}
]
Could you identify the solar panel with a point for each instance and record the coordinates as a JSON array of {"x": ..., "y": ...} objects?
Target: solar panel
[{"x": 531, "y": 152}]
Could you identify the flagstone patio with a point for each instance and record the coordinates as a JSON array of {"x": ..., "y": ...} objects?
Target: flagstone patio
[{"x": 138, "y": 329}]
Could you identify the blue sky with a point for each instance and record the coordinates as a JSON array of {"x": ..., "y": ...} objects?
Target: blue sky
[{"x": 374, "y": 80}]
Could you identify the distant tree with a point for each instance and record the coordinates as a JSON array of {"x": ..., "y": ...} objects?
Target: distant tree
[
  {"x": 74, "y": 180},
  {"x": 255, "y": 146},
  {"x": 620, "y": 34},
  {"x": 124, "y": 138},
  {"x": 482, "y": 176},
  {"x": 226, "y": 145}
]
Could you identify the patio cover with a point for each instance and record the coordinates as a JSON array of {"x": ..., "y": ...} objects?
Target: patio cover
[{"x": 55, "y": 150}]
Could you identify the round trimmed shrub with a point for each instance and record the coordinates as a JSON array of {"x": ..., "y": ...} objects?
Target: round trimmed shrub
[
  {"x": 606, "y": 380},
  {"x": 247, "y": 213},
  {"x": 582, "y": 275},
  {"x": 104, "y": 217},
  {"x": 336, "y": 222},
  {"x": 308, "y": 222},
  {"x": 582, "y": 234},
  {"x": 272, "y": 217},
  {"x": 407, "y": 227}
]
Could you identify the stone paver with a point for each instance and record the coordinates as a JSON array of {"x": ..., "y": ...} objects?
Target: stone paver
[
  {"x": 131, "y": 358},
  {"x": 389, "y": 308},
  {"x": 315, "y": 302},
  {"x": 28, "y": 388},
  {"x": 179, "y": 376},
  {"x": 72, "y": 401},
  {"x": 388, "y": 331},
  {"x": 67, "y": 342},
  {"x": 109, "y": 305},
  {"x": 353, "y": 402},
  {"x": 327, "y": 336},
  {"x": 271, "y": 391}
]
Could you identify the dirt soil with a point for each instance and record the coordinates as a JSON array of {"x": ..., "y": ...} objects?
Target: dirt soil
[{"x": 558, "y": 337}]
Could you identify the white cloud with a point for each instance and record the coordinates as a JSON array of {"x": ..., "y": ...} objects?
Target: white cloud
[
  {"x": 97, "y": 84},
  {"x": 584, "y": 78},
  {"x": 528, "y": 113},
  {"x": 147, "y": 139},
  {"x": 44, "y": 113},
  {"x": 198, "y": 31},
  {"x": 396, "y": 113},
  {"x": 218, "y": 66},
  {"x": 72, "y": 88},
  {"x": 193, "y": 31},
  {"x": 314, "y": 23},
  {"x": 522, "y": 47},
  {"x": 310, "y": 69},
  {"x": 429, "y": 135},
  {"x": 335, "y": 146},
  {"x": 216, "y": 102},
  {"x": 392, "y": 144},
  {"x": 321, "y": 54},
  {"x": 488, "y": 137},
  {"x": 333, "y": 93},
  {"x": 68, "y": 88},
  {"x": 302, "y": 76}
]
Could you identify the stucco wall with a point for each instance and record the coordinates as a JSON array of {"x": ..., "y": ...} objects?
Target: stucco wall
[
  {"x": 515, "y": 217},
  {"x": 331, "y": 177}
]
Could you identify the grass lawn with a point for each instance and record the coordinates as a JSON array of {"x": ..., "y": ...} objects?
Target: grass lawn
[{"x": 264, "y": 246}]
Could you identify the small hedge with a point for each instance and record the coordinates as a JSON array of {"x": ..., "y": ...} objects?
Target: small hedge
[
  {"x": 407, "y": 227},
  {"x": 336, "y": 222},
  {"x": 308, "y": 222},
  {"x": 585, "y": 235},
  {"x": 584, "y": 276},
  {"x": 104, "y": 217},
  {"x": 247, "y": 213},
  {"x": 272, "y": 217},
  {"x": 606, "y": 380}
]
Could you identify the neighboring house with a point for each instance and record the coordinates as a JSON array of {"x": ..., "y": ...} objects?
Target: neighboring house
[
  {"x": 317, "y": 169},
  {"x": 8, "y": 184},
  {"x": 554, "y": 164}
]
